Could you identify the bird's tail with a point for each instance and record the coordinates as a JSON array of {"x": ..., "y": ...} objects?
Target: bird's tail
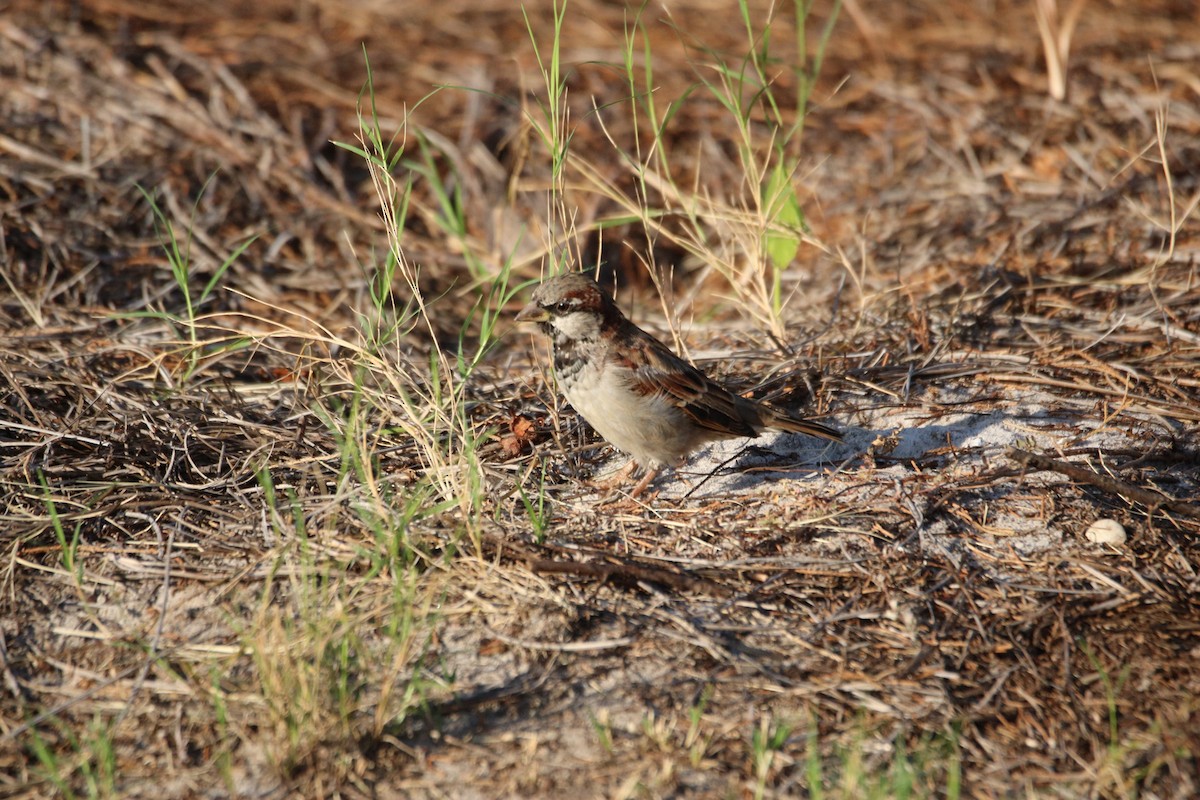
[{"x": 786, "y": 422}]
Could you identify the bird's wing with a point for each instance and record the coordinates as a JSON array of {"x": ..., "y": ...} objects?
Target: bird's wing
[{"x": 656, "y": 371}]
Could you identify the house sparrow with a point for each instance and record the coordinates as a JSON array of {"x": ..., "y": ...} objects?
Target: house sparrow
[{"x": 634, "y": 391}]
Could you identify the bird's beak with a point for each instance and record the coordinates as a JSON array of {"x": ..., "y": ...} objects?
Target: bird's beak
[{"x": 533, "y": 313}]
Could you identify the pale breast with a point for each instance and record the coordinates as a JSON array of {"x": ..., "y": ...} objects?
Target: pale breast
[{"x": 654, "y": 431}]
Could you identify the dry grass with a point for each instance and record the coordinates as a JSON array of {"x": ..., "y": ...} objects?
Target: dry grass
[{"x": 317, "y": 554}]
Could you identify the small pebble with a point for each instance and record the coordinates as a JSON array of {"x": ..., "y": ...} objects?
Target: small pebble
[{"x": 1105, "y": 531}]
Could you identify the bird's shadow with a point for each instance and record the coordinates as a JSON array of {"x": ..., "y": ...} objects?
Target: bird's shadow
[{"x": 739, "y": 466}]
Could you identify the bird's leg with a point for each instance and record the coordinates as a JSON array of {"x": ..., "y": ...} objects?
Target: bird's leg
[
  {"x": 618, "y": 477},
  {"x": 621, "y": 475},
  {"x": 651, "y": 474}
]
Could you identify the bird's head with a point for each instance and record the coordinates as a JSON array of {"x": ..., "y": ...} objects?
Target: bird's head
[{"x": 570, "y": 306}]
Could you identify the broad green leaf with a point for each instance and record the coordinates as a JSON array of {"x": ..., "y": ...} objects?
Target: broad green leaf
[{"x": 785, "y": 217}]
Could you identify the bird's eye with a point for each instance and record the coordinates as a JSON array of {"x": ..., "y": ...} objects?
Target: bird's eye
[{"x": 562, "y": 306}]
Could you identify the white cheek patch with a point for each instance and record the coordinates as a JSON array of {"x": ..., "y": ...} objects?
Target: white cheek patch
[{"x": 578, "y": 325}]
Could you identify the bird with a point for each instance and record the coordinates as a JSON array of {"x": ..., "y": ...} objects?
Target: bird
[{"x": 637, "y": 394}]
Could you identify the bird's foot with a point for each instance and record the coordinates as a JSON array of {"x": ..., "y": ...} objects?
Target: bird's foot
[{"x": 612, "y": 483}]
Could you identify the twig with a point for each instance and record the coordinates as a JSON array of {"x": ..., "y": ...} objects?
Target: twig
[
  {"x": 611, "y": 568},
  {"x": 1110, "y": 485}
]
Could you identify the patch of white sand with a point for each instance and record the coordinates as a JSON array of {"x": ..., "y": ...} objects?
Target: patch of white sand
[{"x": 954, "y": 436}]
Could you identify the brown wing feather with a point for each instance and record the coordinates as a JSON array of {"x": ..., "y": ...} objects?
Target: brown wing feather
[{"x": 658, "y": 371}]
